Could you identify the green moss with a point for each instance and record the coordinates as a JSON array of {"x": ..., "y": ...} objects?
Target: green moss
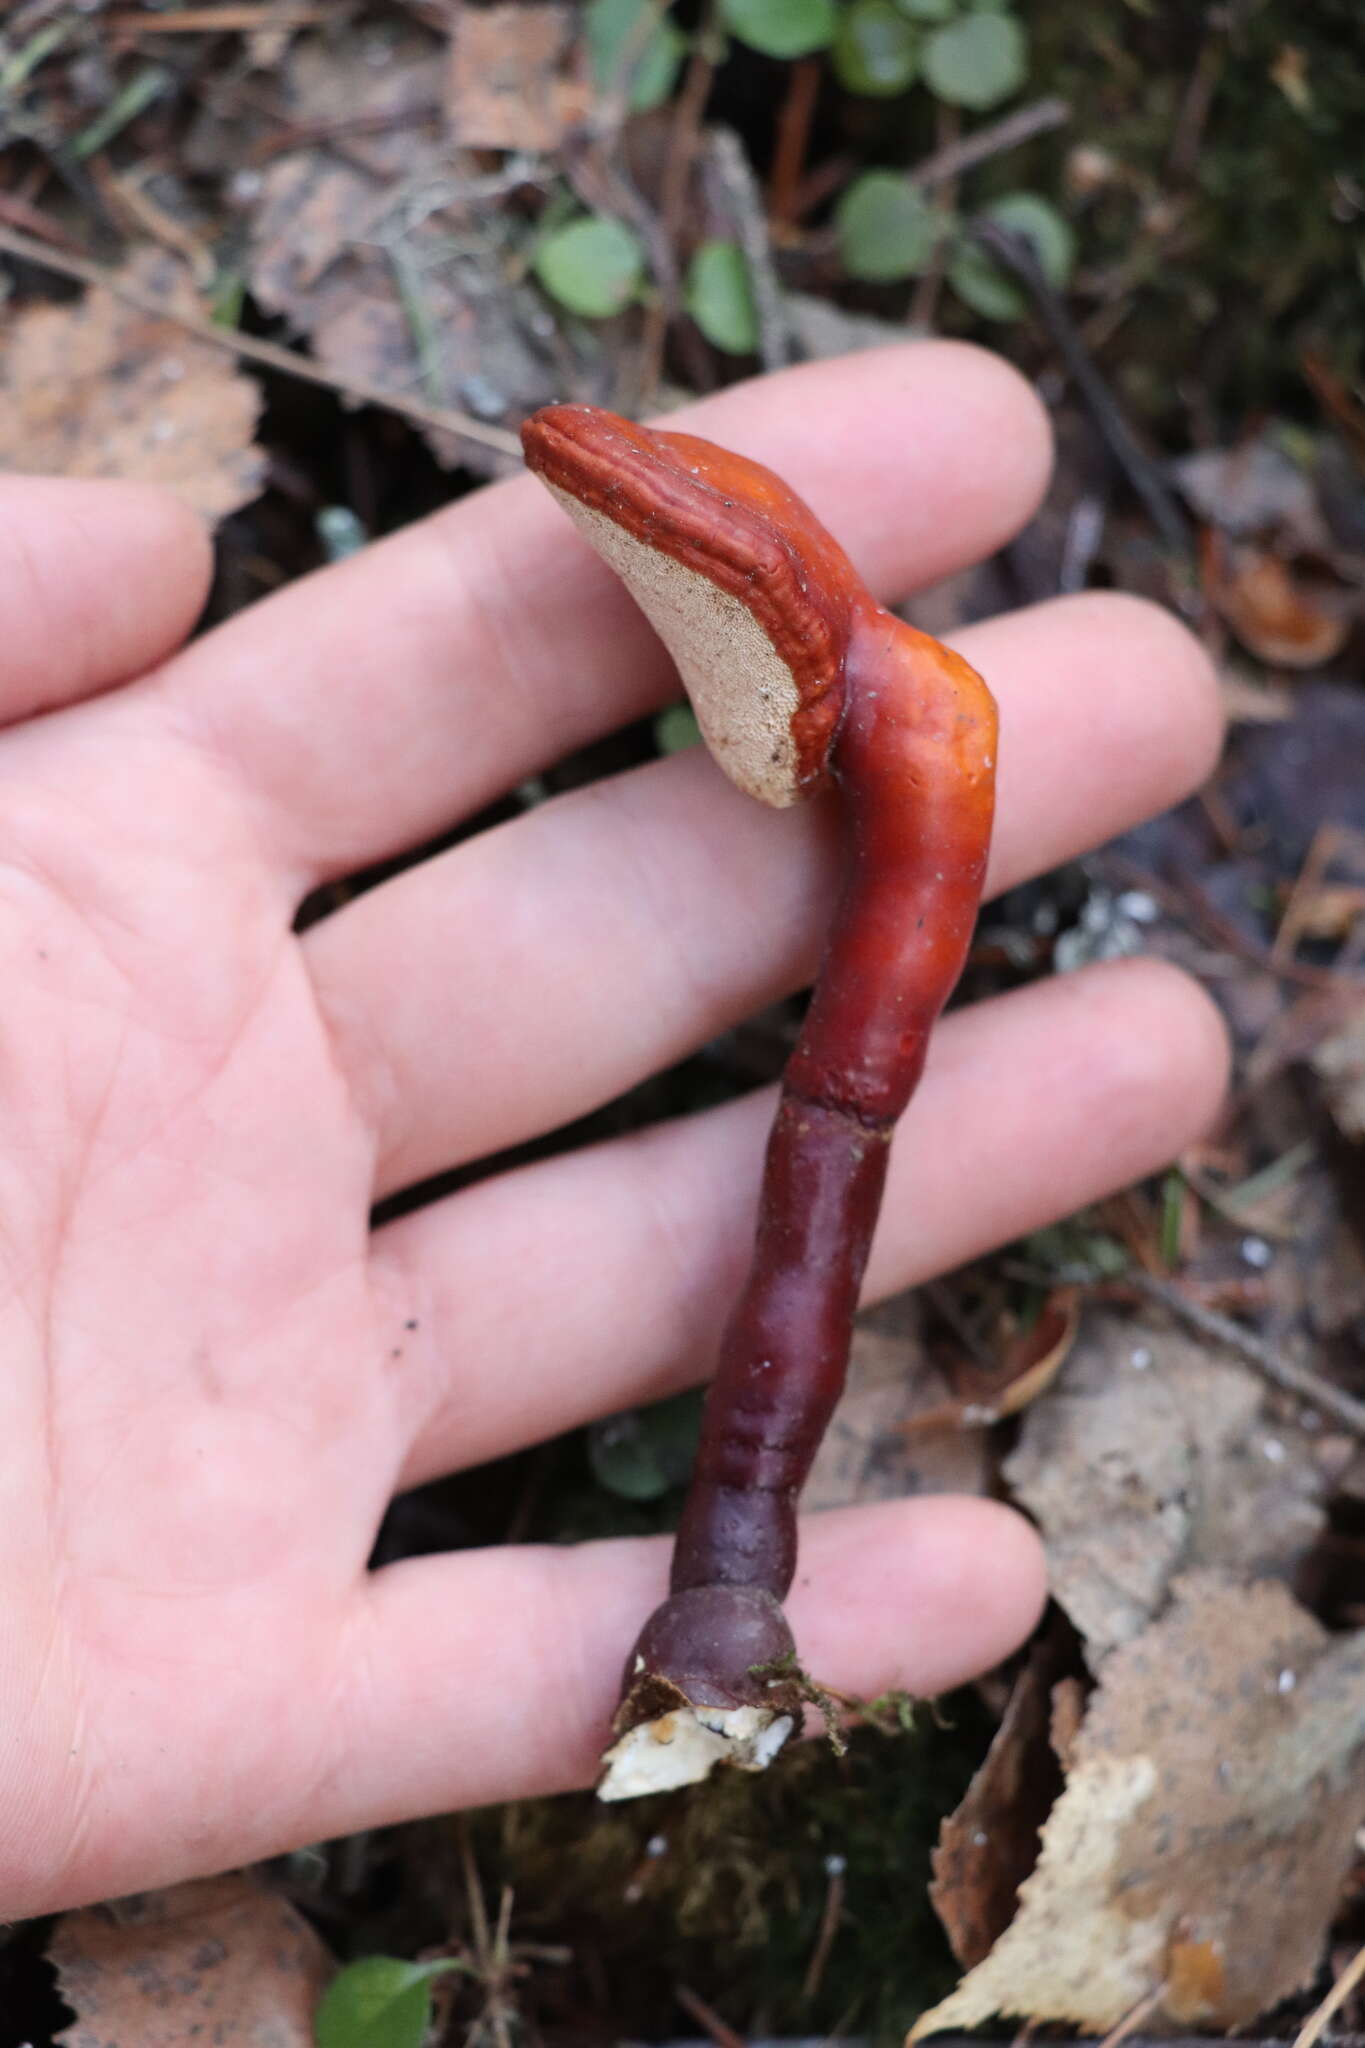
[{"x": 724, "y": 1887}]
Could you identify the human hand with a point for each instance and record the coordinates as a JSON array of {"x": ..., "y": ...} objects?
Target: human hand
[{"x": 216, "y": 1376}]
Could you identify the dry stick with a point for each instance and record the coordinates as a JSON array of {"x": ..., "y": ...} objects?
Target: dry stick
[
  {"x": 943, "y": 165},
  {"x": 802, "y": 683},
  {"x": 793, "y": 138},
  {"x": 977, "y": 148},
  {"x": 682, "y": 150},
  {"x": 1312, "y": 2028},
  {"x": 928, "y": 286},
  {"x": 1291, "y": 1379},
  {"x": 706, "y": 2016},
  {"x": 828, "y": 1928},
  {"x": 198, "y": 20},
  {"x": 266, "y": 353},
  {"x": 1017, "y": 254},
  {"x": 728, "y": 165}
]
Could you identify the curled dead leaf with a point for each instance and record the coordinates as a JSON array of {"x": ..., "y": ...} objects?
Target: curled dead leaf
[
  {"x": 1277, "y": 615},
  {"x": 988, "y": 1846},
  {"x": 1030, "y": 1366},
  {"x": 1196, "y": 1855}
]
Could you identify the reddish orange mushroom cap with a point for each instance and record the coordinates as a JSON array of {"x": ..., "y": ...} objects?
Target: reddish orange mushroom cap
[{"x": 733, "y": 522}]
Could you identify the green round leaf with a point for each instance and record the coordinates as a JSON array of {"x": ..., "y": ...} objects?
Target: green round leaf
[
  {"x": 378, "y": 2002},
  {"x": 593, "y": 266},
  {"x": 615, "y": 27},
  {"x": 976, "y": 62},
  {"x": 676, "y": 729},
  {"x": 781, "y": 28},
  {"x": 887, "y": 230},
  {"x": 876, "y": 51},
  {"x": 640, "y": 1454},
  {"x": 975, "y": 275},
  {"x": 928, "y": 10},
  {"x": 720, "y": 299}
]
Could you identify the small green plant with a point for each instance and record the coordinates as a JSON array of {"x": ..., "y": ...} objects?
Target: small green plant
[
  {"x": 636, "y": 37},
  {"x": 593, "y": 266},
  {"x": 976, "y": 61},
  {"x": 970, "y": 54},
  {"x": 876, "y": 50},
  {"x": 641, "y": 1454},
  {"x": 977, "y": 278},
  {"x": 379, "y": 2002},
  {"x": 720, "y": 298},
  {"x": 887, "y": 229},
  {"x": 781, "y": 28}
]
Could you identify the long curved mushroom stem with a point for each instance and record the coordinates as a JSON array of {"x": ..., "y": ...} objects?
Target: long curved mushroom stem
[
  {"x": 800, "y": 681},
  {"x": 912, "y": 763}
]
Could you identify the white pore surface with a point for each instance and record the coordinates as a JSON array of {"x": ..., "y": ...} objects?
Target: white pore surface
[
  {"x": 685, "y": 1746},
  {"x": 742, "y": 691}
]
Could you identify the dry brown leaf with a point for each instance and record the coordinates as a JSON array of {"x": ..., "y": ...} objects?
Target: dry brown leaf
[
  {"x": 517, "y": 77},
  {"x": 1277, "y": 616},
  {"x": 1148, "y": 1457},
  {"x": 99, "y": 388},
  {"x": 1200, "y": 1845},
  {"x": 398, "y": 280},
  {"x": 866, "y": 1454},
  {"x": 220, "y": 1961},
  {"x": 1030, "y": 1365},
  {"x": 988, "y": 1846},
  {"x": 1339, "y": 1063}
]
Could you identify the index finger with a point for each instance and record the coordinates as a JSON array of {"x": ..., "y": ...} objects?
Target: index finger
[{"x": 373, "y": 704}]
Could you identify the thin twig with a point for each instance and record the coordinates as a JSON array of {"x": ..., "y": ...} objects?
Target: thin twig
[
  {"x": 682, "y": 149},
  {"x": 697, "y": 2009},
  {"x": 1346, "y": 1983},
  {"x": 829, "y": 1927},
  {"x": 793, "y": 138},
  {"x": 1292, "y": 1379},
  {"x": 728, "y": 166},
  {"x": 32, "y": 221},
  {"x": 1134, "y": 2017},
  {"x": 968, "y": 151},
  {"x": 251, "y": 15},
  {"x": 1017, "y": 254},
  {"x": 266, "y": 353}
]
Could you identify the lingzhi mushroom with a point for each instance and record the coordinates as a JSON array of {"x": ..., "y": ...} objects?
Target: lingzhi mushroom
[{"x": 801, "y": 683}]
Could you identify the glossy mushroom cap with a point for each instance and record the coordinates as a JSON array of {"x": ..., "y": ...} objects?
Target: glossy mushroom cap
[{"x": 752, "y": 598}]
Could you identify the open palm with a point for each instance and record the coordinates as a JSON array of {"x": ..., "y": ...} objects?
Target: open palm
[{"x": 216, "y": 1376}]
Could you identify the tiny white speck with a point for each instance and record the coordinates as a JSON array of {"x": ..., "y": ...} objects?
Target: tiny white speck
[
  {"x": 1272, "y": 1450},
  {"x": 657, "y": 1845},
  {"x": 1256, "y": 1252},
  {"x": 1286, "y": 1681},
  {"x": 1140, "y": 1359},
  {"x": 835, "y": 1866},
  {"x": 1138, "y": 905},
  {"x": 979, "y": 1839}
]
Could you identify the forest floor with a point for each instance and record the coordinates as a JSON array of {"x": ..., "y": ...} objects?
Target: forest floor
[{"x": 371, "y": 239}]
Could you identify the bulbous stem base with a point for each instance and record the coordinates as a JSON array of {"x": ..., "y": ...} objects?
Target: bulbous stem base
[{"x": 708, "y": 1682}]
